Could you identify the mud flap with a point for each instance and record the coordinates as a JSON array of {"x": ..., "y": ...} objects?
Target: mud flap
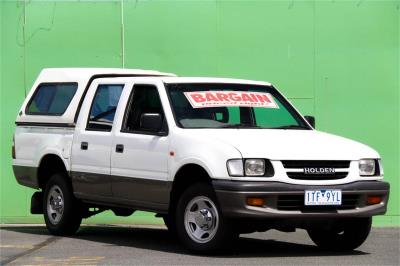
[{"x": 37, "y": 203}]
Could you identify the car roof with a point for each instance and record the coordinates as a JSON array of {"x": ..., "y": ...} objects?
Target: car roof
[
  {"x": 84, "y": 74},
  {"x": 212, "y": 80},
  {"x": 57, "y": 74}
]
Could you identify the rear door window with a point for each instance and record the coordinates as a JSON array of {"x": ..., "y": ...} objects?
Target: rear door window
[
  {"x": 51, "y": 98},
  {"x": 103, "y": 108}
]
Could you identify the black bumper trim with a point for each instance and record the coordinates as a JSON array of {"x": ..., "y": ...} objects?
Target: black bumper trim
[
  {"x": 232, "y": 197},
  {"x": 251, "y": 186},
  {"x": 26, "y": 176}
]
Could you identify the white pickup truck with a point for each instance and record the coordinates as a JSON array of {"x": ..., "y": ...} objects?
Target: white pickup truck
[{"x": 214, "y": 157}]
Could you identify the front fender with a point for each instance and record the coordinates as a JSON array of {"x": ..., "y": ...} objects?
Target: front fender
[{"x": 211, "y": 154}]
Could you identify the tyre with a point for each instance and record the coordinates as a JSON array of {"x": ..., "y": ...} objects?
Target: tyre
[
  {"x": 62, "y": 211},
  {"x": 343, "y": 235},
  {"x": 200, "y": 224}
]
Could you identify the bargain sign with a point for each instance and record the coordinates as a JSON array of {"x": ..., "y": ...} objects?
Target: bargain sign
[{"x": 203, "y": 99}]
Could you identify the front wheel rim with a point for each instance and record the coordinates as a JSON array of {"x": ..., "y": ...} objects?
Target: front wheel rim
[
  {"x": 55, "y": 204},
  {"x": 201, "y": 219}
]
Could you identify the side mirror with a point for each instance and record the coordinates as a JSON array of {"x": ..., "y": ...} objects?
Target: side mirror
[
  {"x": 151, "y": 122},
  {"x": 310, "y": 120}
]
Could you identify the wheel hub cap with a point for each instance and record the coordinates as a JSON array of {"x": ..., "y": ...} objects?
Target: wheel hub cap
[
  {"x": 201, "y": 219},
  {"x": 204, "y": 219},
  {"x": 55, "y": 204}
]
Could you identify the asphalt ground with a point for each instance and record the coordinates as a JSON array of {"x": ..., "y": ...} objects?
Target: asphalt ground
[{"x": 153, "y": 245}]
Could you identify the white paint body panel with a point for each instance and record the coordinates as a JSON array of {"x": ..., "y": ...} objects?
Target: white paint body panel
[
  {"x": 144, "y": 156},
  {"x": 96, "y": 159},
  {"x": 33, "y": 143},
  {"x": 281, "y": 144}
]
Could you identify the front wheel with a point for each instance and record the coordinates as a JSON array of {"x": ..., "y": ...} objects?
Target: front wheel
[
  {"x": 62, "y": 211},
  {"x": 200, "y": 224},
  {"x": 342, "y": 235}
]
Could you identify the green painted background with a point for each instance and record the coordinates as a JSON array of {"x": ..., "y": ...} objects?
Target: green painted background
[{"x": 337, "y": 60}]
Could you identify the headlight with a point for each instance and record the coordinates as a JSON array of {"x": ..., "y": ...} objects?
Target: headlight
[
  {"x": 254, "y": 167},
  {"x": 367, "y": 167},
  {"x": 250, "y": 167}
]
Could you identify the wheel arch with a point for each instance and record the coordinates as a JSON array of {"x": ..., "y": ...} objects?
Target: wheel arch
[
  {"x": 186, "y": 176},
  {"x": 49, "y": 164}
]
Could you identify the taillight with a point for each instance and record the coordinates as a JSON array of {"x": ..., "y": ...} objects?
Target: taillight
[{"x": 13, "y": 148}]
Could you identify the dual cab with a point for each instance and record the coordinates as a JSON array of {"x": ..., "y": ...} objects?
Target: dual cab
[{"x": 214, "y": 157}]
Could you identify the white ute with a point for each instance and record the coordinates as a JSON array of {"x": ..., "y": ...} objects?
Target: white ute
[{"x": 214, "y": 157}]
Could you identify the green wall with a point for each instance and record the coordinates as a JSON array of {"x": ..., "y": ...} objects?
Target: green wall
[{"x": 337, "y": 60}]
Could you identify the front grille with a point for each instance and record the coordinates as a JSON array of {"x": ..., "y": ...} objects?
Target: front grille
[
  {"x": 302, "y": 164},
  {"x": 296, "y": 203},
  {"x": 291, "y": 165},
  {"x": 303, "y": 176}
]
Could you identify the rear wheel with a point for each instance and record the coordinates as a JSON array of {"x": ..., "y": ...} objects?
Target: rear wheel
[
  {"x": 200, "y": 224},
  {"x": 343, "y": 235},
  {"x": 62, "y": 211}
]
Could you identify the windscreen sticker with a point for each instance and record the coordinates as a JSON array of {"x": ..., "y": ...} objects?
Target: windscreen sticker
[{"x": 204, "y": 99}]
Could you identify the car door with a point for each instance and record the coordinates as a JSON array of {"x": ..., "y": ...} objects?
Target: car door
[
  {"x": 91, "y": 149},
  {"x": 139, "y": 158}
]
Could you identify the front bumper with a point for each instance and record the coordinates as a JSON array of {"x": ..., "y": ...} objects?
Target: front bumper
[{"x": 287, "y": 200}]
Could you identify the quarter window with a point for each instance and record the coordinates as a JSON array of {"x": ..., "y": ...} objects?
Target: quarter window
[
  {"x": 103, "y": 108},
  {"x": 51, "y": 99}
]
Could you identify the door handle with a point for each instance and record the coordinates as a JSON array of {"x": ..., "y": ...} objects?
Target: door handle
[
  {"x": 84, "y": 145},
  {"x": 119, "y": 148}
]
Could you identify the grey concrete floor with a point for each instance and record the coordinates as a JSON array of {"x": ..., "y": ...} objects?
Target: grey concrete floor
[{"x": 139, "y": 245}]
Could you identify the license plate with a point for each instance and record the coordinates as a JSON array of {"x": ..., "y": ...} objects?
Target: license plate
[{"x": 323, "y": 197}]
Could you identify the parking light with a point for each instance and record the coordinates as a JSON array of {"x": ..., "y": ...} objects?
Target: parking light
[
  {"x": 256, "y": 202},
  {"x": 371, "y": 200}
]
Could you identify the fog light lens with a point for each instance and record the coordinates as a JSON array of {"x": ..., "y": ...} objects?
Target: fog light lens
[
  {"x": 374, "y": 200},
  {"x": 255, "y": 202}
]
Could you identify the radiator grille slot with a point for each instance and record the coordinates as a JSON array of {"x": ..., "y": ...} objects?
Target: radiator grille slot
[
  {"x": 303, "y": 176},
  {"x": 295, "y": 169},
  {"x": 302, "y": 164}
]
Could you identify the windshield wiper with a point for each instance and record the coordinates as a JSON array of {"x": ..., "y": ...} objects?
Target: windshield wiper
[
  {"x": 290, "y": 127},
  {"x": 239, "y": 126}
]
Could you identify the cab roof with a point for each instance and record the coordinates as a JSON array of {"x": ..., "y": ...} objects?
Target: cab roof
[
  {"x": 59, "y": 74},
  {"x": 212, "y": 80}
]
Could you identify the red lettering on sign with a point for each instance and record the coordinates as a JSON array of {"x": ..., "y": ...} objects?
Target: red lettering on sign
[
  {"x": 253, "y": 97},
  {"x": 223, "y": 97},
  {"x": 198, "y": 98},
  {"x": 203, "y": 99},
  {"x": 263, "y": 98},
  {"x": 210, "y": 97},
  {"x": 246, "y": 97},
  {"x": 233, "y": 96}
]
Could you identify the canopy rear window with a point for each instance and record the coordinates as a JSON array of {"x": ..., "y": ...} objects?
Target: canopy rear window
[{"x": 51, "y": 99}]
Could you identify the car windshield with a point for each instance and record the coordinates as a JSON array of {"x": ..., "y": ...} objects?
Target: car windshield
[{"x": 222, "y": 105}]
